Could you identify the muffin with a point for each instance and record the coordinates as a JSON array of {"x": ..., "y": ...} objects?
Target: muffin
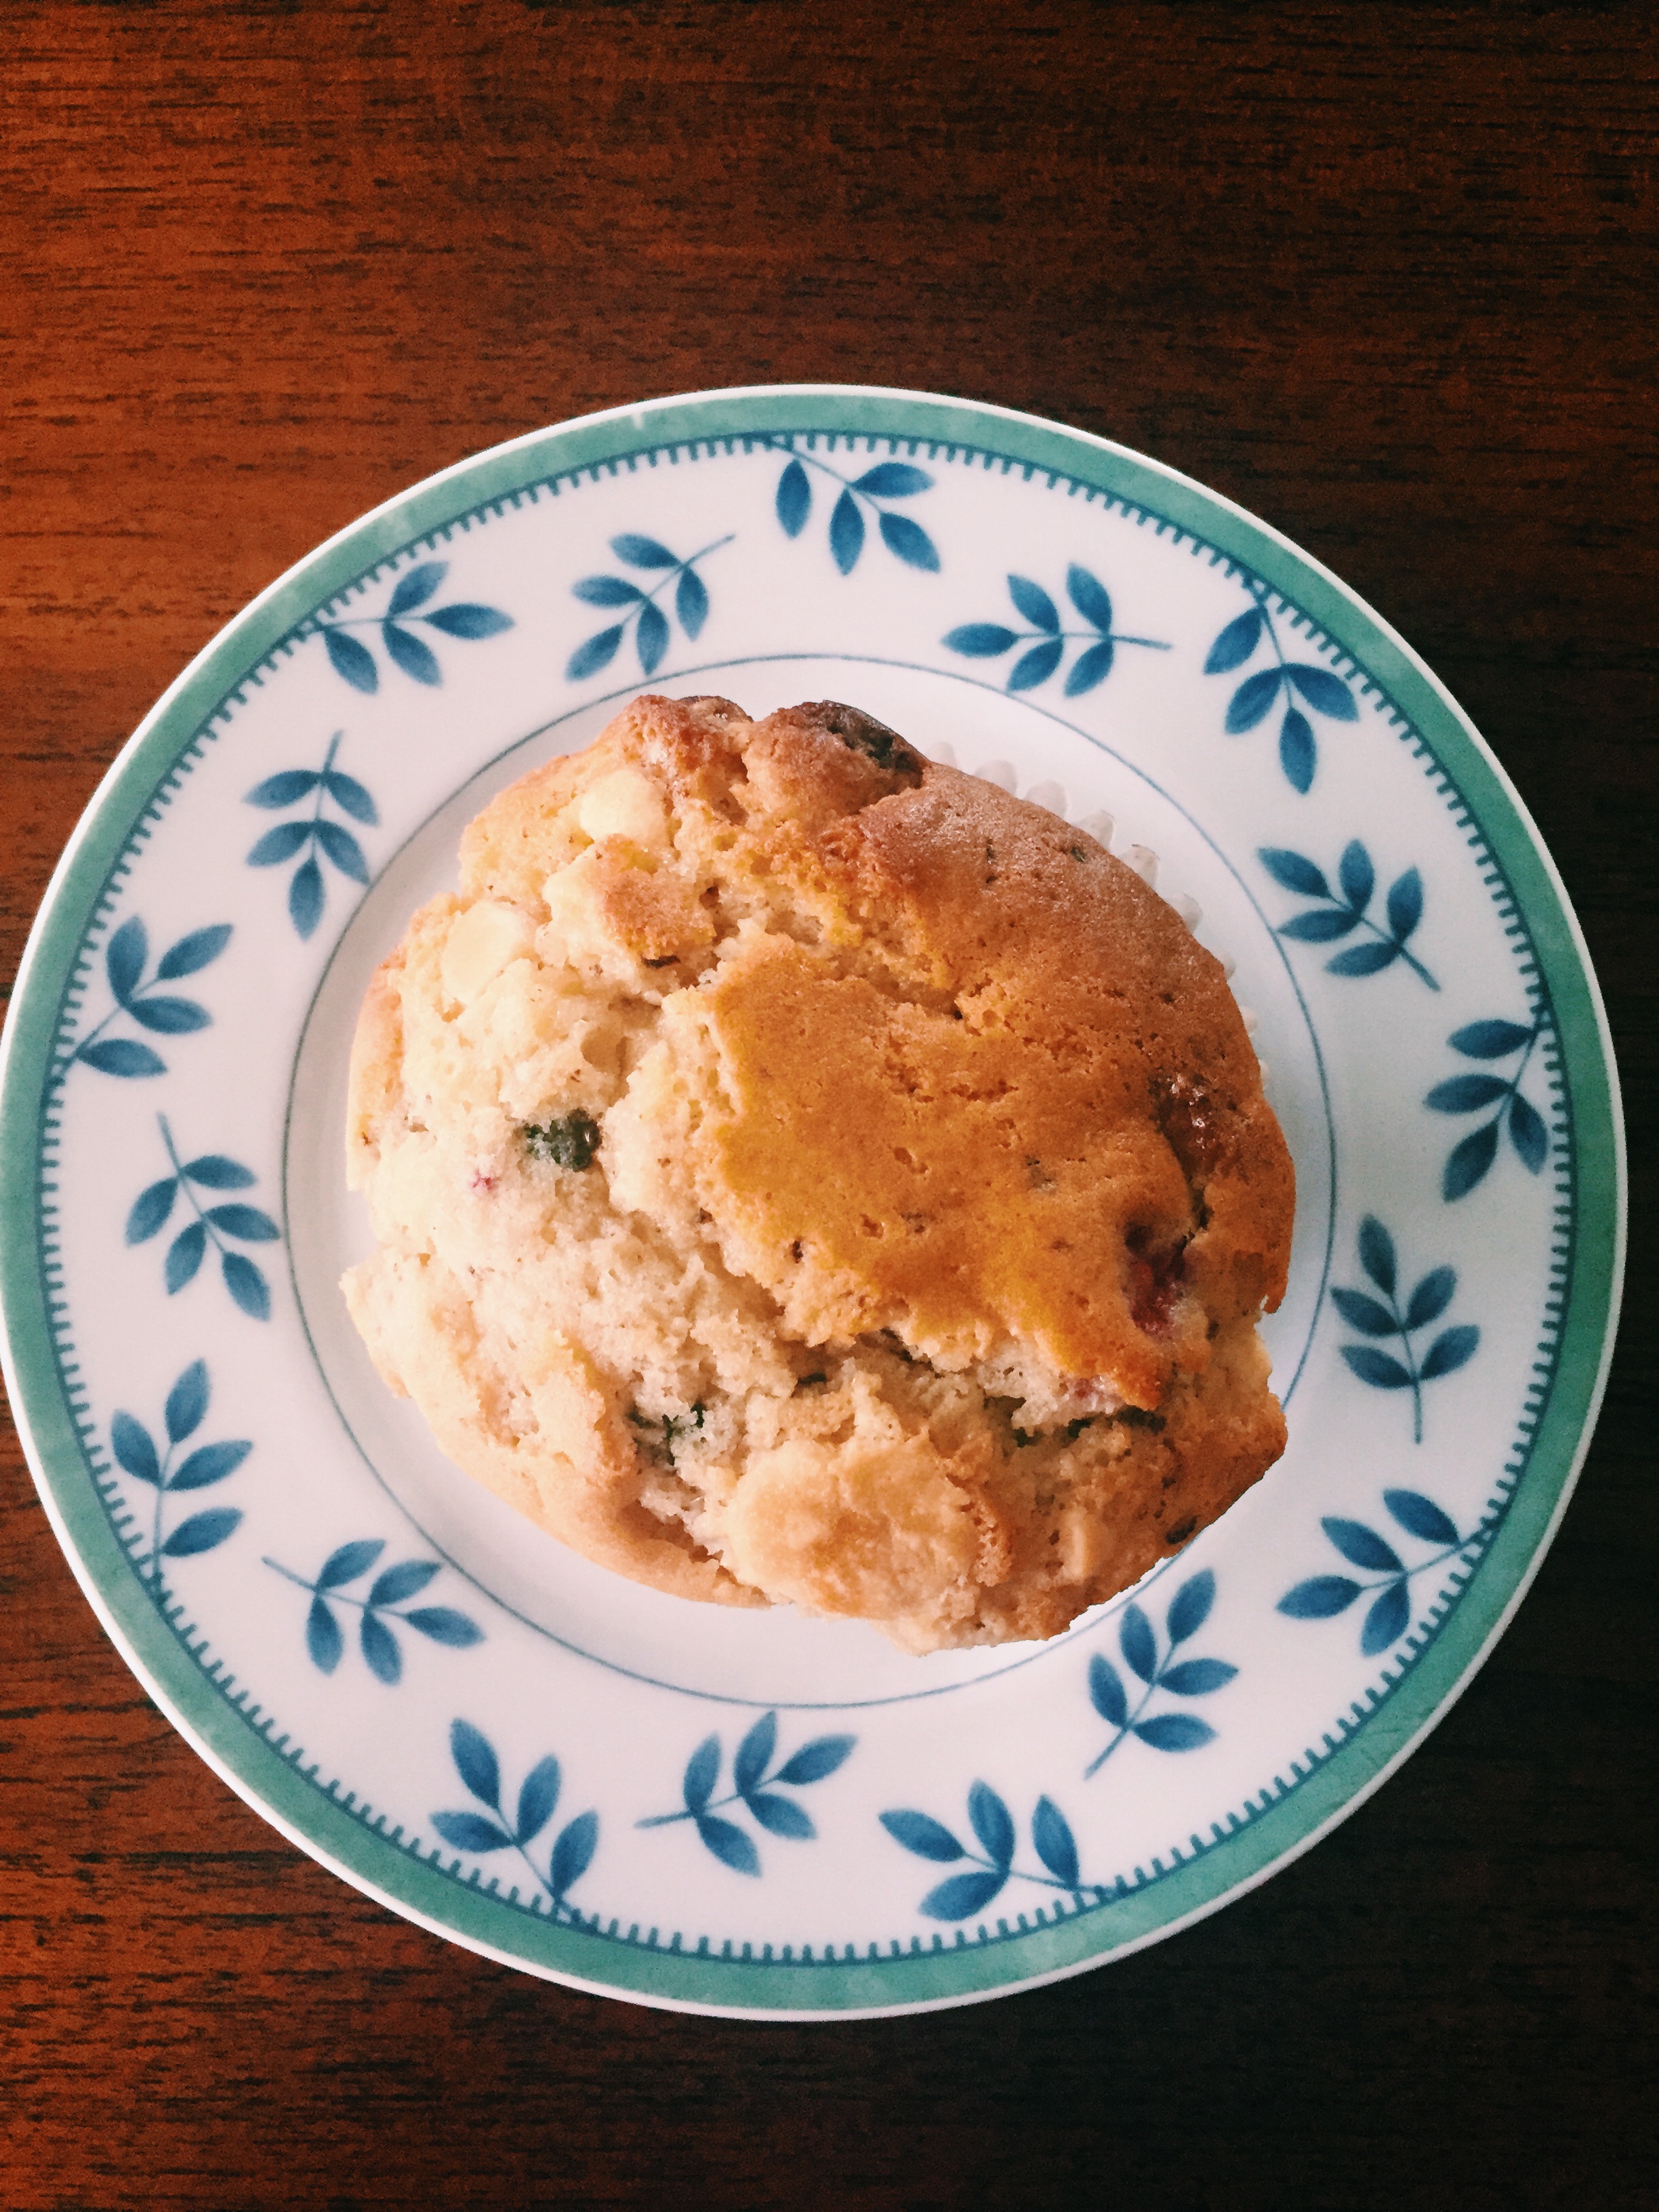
[{"x": 801, "y": 1172}]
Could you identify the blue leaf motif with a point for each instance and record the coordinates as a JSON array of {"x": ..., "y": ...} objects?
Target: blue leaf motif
[
  {"x": 1090, "y": 669},
  {"x": 892, "y": 480},
  {"x": 380, "y": 1649},
  {"x": 538, "y": 1798},
  {"x": 651, "y": 637},
  {"x": 203, "y": 1532},
  {"x": 1363, "y": 1313},
  {"x": 1356, "y": 875},
  {"x": 351, "y": 797},
  {"x": 1465, "y": 1094},
  {"x": 287, "y": 788},
  {"x": 1377, "y": 1368},
  {"x": 1106, "y": 1691},
  {"x": 1430, "y": 1297},
  {"x": 343, "y": 850},
  {"x": 1323, "y": 925},
  {"x": 199, "y": 949},
  {"x": 691, "y": 602},
  {"x": 443, "y": 1625},
  {"x": 1489, "y": 1040},
  {"x": 782, "y": 1816},
  {"x": 605, "y": 592},
  {"x": 322, "y": 1638},
  {"x": 122, "y": 1056},
  {"x": 1197, "y": 1678},
  {"x": 247, "y": 1286},
  {"x": 909, "y": 541},
  {"x": 980, "y": 641},
  {"x": 476, "y": 1763},
  {"x": 414, "y": 657},
  {"x": 399, "y": 1583},
  {"x": 1189, "y": 1608},
  {"x": 992, "y": 1823},
  {"x": 1420, "y": 1516},
  {"x": 1034, "y": 603},
  {"x": 817, "y": 1760},
  {"x": 597, "y": 653},
  {"x": 1361, "y": 1546},
  {"x": 1450, "y": 1352},
  {"x": 169, "y": 1017},
  {"x": 464, "y": 619},
  {"x": 348, "y": 1561},
  {"x": 1324, "y": 691},
  {"x": 353, "y": 661},
  {"x": 151, "y": 1209},
  {"x": 279, "y": 844},
  {"x": 1528, "y": 1133},
  {"x": 1175, "y": 1732},
  {"x": 1093, "y": 602},
  {"x": 1364, "y": 960},
  {"x": 305, "y": 898},
  {"x": 1320, "y": 1597},
  {"x": 212, "y": 1463},
  {"x": 1406, "y": 904},
  {"x": 184, "y": 1257},
  {"x": 1056, "y": 1847},
  {"x": 246, "y": 1222},
  {"x": 846, "y": 533},
  {"x": 1137, "y": 1644},
  {"x": 754, "y": 1754},
  {"x": 1297, "y": 753},
  {"x": 469, "y": 1831},
  {"x": 920, "y": 1833},
  {"x": 1387, "y": 1620},
  {"x": 418, "y": 587},
  {"x": 1236, "y": 644},
  {"x": 1377, "y": 1254},
  {"x": 1294, "y": 871},
  {"x": 963, "y": 1895},
  {"x": 213, "y": 1171},
  {"x": 1467, "y": 1163},
  {"x": 729, "y": 1844},
  {"x": 641, "y": 552},
  {"x": 1036, "y": 667},
  {"x": 572, "y": 1853},
  {"x": 1250, "y": 702},
  {"x": 794, "y": 500},
  {"x": 131, "y": 1443},
  {"x": 125, "y": 957},
  {"x": 702, "y": 1770}
]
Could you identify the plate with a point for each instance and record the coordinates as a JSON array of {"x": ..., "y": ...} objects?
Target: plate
[{"x": 762, "y": 1814}]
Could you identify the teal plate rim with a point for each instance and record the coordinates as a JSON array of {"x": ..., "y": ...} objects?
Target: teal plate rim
[{"x": 1286, "y": 1822}]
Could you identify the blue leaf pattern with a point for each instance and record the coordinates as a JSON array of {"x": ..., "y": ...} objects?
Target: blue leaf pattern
[
  {"x": 479, "y": 1769},
  {"x": 755, "y": 1789},
  {"x": 152, "y": 1208},
  {"x": 1388, "y": 1617},
  {"x": 1471, "y": 1158},
  {"x": 1254, "y": 699},
  {"x": 1337, "y": 915},
  {"x": 135, "y": 1451},
  {"x": 125, "y": 958},
  {"x": 651, "y": 630},
  {"x": 385, "y": 1602},
  {"x": 315, "y": 834},
  {"x": 963, "y": 1895},
  {"x": 1188, "y": 1611},
  {"x": 1371, "y": 1317},
  {"x": 857, "y": 497},
  {"x": 1048, "y": 638},
  {"x": 409, "y": 601}
]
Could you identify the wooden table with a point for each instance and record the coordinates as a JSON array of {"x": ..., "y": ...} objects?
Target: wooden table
[{"x": 1380, "y": 276}]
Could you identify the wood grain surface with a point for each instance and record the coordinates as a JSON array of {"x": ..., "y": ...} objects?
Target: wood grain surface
[{"x": 1385, "y": 275}]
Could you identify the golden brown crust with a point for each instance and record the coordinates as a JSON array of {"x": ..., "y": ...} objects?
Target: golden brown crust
[{"x": 914, "y": 1078}]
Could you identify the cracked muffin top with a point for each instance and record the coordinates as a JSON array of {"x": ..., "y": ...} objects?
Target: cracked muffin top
[{"x": 803, "y": 1172}]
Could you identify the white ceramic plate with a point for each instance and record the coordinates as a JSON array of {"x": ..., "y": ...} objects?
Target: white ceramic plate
[{"x": 759, "y": 1813}]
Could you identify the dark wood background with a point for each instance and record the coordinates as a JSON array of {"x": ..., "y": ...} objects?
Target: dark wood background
[{"x": 1384, "y": 275}]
